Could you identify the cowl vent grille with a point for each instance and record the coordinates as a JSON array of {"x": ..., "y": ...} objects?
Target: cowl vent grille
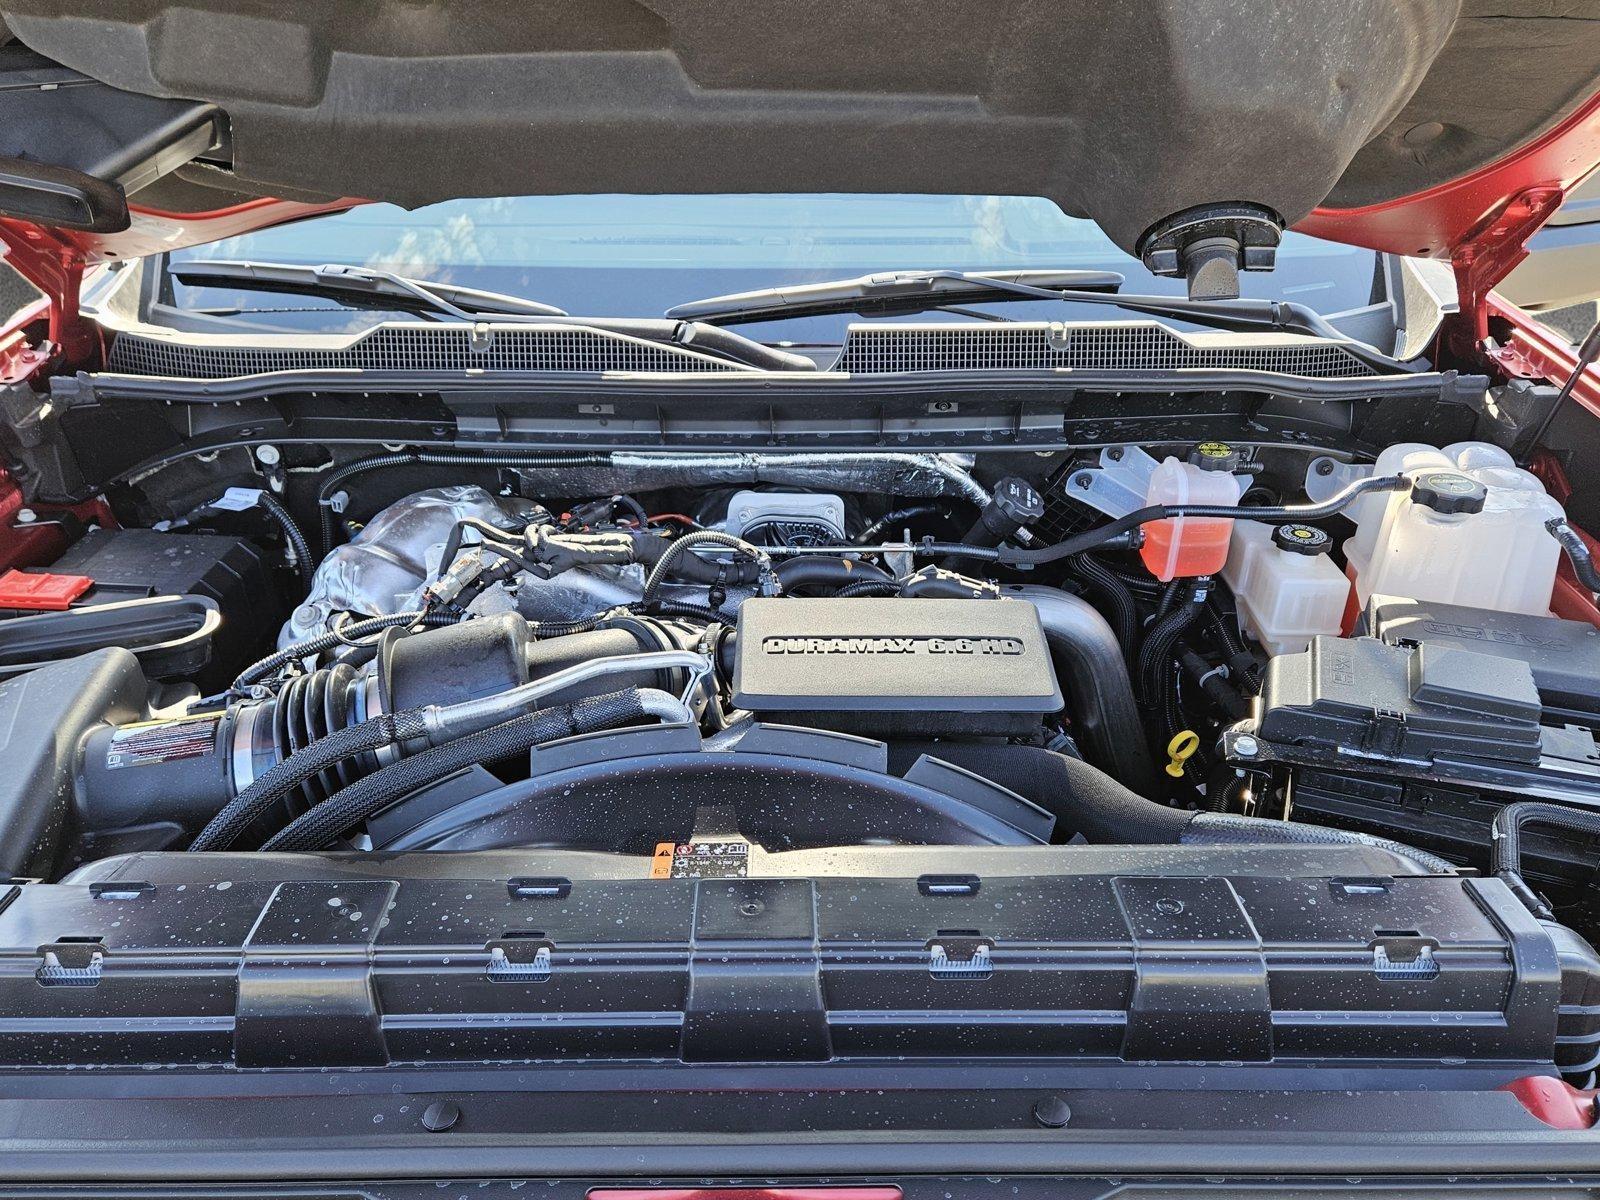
[
  {"x": 868, "y": 350},
  {"x": 1125, "y": 346},
  {"x": 404, "y": 348}
]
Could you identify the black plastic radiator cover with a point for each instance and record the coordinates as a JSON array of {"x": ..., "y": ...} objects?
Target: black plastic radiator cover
[{"x": 1109, "y": 956}]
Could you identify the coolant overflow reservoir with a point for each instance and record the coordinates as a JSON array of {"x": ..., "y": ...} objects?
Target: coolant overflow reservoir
[
  {"x": 1474, "y": 535},
  {"x": 1184, "y": 547}
]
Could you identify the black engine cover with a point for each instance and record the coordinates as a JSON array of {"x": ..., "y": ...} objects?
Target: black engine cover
[{"x": 895, "y": 667}]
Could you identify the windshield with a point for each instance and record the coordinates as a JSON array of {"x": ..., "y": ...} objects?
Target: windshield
[{"x": 632, "y": 256}]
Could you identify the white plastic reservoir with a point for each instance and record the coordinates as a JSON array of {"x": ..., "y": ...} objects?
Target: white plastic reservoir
[
  {"x": 1471, "y": 532},
  {"x": 1287, "y": 587}
]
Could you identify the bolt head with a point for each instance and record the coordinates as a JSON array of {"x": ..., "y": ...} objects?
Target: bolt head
[
  {"x": 1246, "y": 746},
  {"x": 26, "y": 516},
  {"x": 268, "y": 456}
]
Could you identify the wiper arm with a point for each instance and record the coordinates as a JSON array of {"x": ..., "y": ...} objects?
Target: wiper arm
[
  {"x": 1239, "y": 316},
  {"x": 893, "y": 292},
  {"x": 361, "y": 286},
  {"x": 906, "y": 292}
]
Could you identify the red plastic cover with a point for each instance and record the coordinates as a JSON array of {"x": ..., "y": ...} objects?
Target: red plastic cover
[{"x": 42, "y": 593}]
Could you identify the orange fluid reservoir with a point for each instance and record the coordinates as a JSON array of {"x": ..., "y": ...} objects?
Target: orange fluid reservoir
[{"x": 1184, "y": 547}]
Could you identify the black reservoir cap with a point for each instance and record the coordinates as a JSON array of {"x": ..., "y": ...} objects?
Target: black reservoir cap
[
  {"x": 1301, "y": 539},
  {"x": 1449, "y": 492}
]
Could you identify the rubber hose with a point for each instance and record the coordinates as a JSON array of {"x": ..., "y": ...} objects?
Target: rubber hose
[
  {"x": 322, "y": 822},
  {"x": 894, "y": 518},
  {"x": 677, "y": 548},
  {"x": 327, "y": 641},
  {"x": 829, "y": 573},
  {"x": 1090, "y": 539},
  {"x": 868, "y": 587},
  {"x": 1094, "y": 675},
  {"x": 1578, "y": 555},
  {"x": 1084, "y": 799},
  {"x": 650, "y": 548},
  {"x": 266, "y": 792},
  {"x": 1226, "y": 829},
  {"x": 1505, "y": 836},
  {"x": 1158, "y": 649},
  {"x": 1123, "y": 609},
  {"x": 1087, "y": 801},
  {"x": 298, "y": 546}
]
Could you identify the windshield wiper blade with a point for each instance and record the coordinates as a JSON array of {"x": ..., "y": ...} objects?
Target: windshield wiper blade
[
  {"x": 893, "y": 292},
  {"x": 362, "y": 286}
]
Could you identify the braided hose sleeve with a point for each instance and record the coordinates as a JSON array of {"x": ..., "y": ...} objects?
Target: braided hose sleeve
[
  {"x": 1506, "y": 842},
  {"x": 264, "y": 793},
  {"x": 323, "y": 822}
]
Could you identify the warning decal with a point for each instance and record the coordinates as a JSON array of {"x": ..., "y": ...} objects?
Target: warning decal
[
  {"x": 700, "y": 860},
  {"x": 162, "y": 741}
]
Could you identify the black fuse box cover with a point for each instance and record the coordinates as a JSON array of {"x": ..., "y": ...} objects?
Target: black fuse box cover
[
  {"x": 1563, "y": 655},
  {"x": 1365, "y": 697},
  {"x": 980, "y": 659}
]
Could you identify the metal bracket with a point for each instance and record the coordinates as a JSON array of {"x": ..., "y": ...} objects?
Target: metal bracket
[{"x": 1497, "y": 244}]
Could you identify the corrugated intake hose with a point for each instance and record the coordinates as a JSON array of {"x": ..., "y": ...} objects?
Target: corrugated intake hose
[
  {"x": 1085, "y": 800},
  {"x": 323, "y": 822},
  {"x": 1506, "y": 842},
  {"x": 276, "y": 784}
]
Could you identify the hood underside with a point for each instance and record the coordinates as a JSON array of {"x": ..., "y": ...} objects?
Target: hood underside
[{"x": 1125, "y": 113}]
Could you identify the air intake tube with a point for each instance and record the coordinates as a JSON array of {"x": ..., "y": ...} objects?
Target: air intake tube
[{"x": 327, "y": 729}]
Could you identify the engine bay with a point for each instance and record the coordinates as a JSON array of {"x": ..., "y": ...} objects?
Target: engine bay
[{"x": 1192, "y": 665}]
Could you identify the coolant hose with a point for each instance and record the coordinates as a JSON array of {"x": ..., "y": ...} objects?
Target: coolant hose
[
  {"x": 830, "y": 573},
  {"x": 676, "y": 555},
  {"x": 1087, "y": 801},
  {"x": 1577, "y": 553},
  {"x": 323, "y": 822},
  {"x": 1505, "y": 839},
  {"x": 1226, "y": 829},
  {"x": 1121, "y": 608},
  {"x": 1084, "y": 799},
  {"x": 1094, "y": 675}
]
